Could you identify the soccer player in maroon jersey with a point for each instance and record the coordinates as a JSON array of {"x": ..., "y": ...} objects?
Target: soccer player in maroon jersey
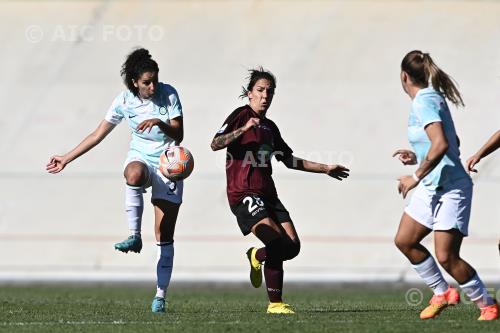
[{"x": 251, "y": 140}]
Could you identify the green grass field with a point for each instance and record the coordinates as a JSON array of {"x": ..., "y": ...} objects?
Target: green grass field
[{"x": 217, "y": 309}]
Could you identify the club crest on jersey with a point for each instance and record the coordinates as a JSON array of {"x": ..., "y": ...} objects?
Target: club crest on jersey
[
  {"x": 172, "y": 186},
  {"x": 264, "y": 127},
  {"x": 222, "y": 129},
  {"x": 264, "y": 153},
  {"x": 163, "y": 110}
]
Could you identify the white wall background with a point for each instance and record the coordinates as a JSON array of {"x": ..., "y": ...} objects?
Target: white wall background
[{"x": 338, "y": 100}]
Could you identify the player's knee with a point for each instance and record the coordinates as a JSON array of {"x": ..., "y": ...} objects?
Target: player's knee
[
  {"x": 446, "y": 259},
  {"x": 275, "y": 253},
  {"x": 166, "y": 249},
  {"x": 291, "y": 249},
  {"x": 135, "y": 177},
  {"x": 402, "y": 244}
]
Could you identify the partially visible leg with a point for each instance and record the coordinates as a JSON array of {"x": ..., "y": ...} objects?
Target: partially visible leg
[
  {"x": 134, "y": 206},
  {"x": 410, "y": 234},
  {"x": 447, "y": 246},
  {"x": 453, "y": 216},
  {"x": 291, "y": 241},
  {"x": 136, "y": 174},
  {"x": 271, "y": 235},
  {"x": 281, "y": 243},
  {"x": 408, "y": 238},
  {"x": 165, "y": 218}
]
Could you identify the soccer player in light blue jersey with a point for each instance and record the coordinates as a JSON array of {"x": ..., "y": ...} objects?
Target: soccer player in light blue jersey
[
  {"x": 153, "y": 113},
  {"x": 442, "y": 198}
]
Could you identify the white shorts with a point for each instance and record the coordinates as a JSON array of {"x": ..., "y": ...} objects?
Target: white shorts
[
  {"x": 162, "y": 187},
  {"x": 442, "y": 210}
]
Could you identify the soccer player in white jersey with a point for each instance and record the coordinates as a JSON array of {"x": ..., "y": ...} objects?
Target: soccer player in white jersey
[
  {"x": 442, "y": 198},
  {"x": 153, "y": 113}
]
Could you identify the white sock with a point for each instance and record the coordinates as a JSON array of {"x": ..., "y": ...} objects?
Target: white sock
[
  {"x": 165, "y": 261},
  {"x": 134, "y": 205},
  {"x": 476, "y": 291},
  {"x": 160, "y": 292},
  {"x": 429, "y": 271}
]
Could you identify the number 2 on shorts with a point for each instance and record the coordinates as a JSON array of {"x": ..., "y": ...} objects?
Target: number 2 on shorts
[{"x": 251, "y": 206}]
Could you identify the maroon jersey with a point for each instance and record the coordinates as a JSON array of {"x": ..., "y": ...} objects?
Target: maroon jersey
[{"x": 248, "y": 163}]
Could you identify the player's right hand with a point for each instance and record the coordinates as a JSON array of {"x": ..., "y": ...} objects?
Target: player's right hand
[
  {"x": 56, "y": 164},
  {"x": 407, "y": 157},
  {"x": 337, "y": 171},
  {"x": 252, "y": 122},
  {"x": 471, "y": 162}
]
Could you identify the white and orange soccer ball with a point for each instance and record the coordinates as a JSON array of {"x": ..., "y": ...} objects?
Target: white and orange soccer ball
[{"x": 176, "y": 163}]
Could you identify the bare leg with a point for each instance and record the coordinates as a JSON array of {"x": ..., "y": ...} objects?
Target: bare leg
[
  {"x": 136, "y": 173},
  {"x": 447, "y": 246},
  {"x": 408, "y": 238}
]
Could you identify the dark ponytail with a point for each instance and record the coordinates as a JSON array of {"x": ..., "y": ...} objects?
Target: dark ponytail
[
  {"x": 422, "y": 69},
  {"x": 137, "y": 63}
]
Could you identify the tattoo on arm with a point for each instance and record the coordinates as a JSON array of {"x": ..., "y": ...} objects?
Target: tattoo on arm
[
  {"x": 427, "y": 165},
  {"x": 224, "y": 140}
]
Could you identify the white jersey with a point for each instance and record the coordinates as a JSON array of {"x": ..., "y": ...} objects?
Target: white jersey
[{"x": 165, "y": 105}]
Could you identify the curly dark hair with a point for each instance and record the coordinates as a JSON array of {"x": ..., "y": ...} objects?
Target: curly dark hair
[
  {"x": 255, "y": 75},
  {"x": 137, "y": 63}
]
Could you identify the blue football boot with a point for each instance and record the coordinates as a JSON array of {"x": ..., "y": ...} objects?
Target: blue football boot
[
  {"x": 132, "y": 243},
  {"x": 158, "y": 305}
]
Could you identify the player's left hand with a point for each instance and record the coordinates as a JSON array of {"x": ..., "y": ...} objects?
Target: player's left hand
[
  {"x": 148, "y": 125},
  {"x": 406, "y": 184},
  {"x": 337, "y": 171}
]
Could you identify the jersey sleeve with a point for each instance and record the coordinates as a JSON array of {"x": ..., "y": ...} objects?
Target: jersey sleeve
[
  {"x": 175, "y": 106},
  {"x": 232, "y": 123},
  {"x": 281, "y": 149},
  {"x": 427, "y": 110},
  {"x": 115, "y": 111}
]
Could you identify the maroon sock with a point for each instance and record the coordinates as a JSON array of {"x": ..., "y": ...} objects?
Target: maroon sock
[
  {"x": 260, "y": 255},
  {"x": 274, "y": 281}
]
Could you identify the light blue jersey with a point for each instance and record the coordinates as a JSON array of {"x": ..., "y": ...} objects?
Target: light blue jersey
[
  {"x": 165, "y": 105},
  {"x": 428, "y": 107}
]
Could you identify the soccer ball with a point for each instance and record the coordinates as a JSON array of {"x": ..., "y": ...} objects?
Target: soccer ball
[{"x": 176, "y": 163}]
